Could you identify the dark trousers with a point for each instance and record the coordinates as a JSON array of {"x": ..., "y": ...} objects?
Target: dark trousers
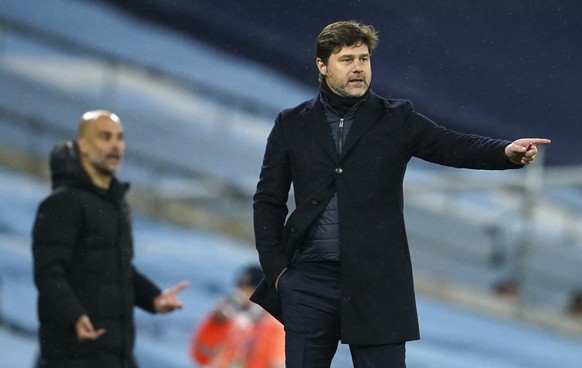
[{"x": 310, "y": 295}]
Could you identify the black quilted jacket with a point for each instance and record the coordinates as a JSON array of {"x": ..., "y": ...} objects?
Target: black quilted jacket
[{"x": 83, "y": 250}]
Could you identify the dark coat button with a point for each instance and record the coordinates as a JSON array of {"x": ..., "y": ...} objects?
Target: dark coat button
[{"x": 339, "y": 170}]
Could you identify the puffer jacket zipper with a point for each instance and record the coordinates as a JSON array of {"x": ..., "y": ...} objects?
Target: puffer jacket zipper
[{"x": 341, "y": 135}]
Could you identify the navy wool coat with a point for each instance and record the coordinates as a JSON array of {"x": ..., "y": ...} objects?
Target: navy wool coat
[{"x": 377, "y": 293}]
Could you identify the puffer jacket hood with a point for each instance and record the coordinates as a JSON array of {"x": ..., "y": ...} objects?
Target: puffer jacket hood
[{"x": 65, "y": 165}]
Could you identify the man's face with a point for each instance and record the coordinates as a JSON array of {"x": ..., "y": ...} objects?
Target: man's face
[
  {"x": 348, "y": 72},
  {"x": 102, "y": 146}
]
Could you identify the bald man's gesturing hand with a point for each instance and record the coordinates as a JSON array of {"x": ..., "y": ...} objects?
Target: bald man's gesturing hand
[
  {"x": 85, "y": 330},
  {"x": 167, "y": 300}
]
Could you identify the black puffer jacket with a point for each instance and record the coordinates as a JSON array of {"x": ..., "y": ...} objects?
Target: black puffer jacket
[{"x": 82, "y": 247}]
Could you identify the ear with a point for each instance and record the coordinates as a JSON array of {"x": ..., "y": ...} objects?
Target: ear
[
  {"x": 321, "y": 66},
  {"x": 82, "y": 143}
]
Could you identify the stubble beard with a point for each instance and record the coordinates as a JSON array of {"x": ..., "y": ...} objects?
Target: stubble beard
[
  {"x": 355, "y": 92},
  {"x": 103, "y": 170}
]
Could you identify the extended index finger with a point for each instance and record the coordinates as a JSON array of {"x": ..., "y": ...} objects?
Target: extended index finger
[
  {"x": 538, "y": 140},
  {"x": 178, "y": 287}
]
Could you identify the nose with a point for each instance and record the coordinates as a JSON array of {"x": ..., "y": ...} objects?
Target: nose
[
  {"x": 358, "y": 66},
  {"x": 118, "y": 144}
]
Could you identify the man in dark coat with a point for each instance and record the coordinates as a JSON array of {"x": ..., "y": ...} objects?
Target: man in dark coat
[
  {"x": 339, "y": 267},
  {"x": 83, "y": 251}
]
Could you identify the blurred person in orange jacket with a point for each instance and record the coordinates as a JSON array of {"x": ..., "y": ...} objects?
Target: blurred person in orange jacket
[{"x": 238, "y": 333}]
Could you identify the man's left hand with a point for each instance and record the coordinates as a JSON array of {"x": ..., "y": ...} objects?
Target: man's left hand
[
  {"x": 523, "y": 151},
  {"x": 167, "y": 300}
]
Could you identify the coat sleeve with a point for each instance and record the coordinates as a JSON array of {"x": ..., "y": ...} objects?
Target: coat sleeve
[
  {"x": 145, "y": 291},
  {"x": 270, "y": 204},
  {"x": 437, "y": 144},
  {"x": 54, "y": 236}
]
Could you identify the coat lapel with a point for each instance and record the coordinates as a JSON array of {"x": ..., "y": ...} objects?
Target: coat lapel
[
  {"x": 315, "y": 120},
  {"x": 366, "y": 116}
]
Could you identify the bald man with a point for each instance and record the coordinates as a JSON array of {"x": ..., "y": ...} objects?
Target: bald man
[{"x": 82, "y": 248}]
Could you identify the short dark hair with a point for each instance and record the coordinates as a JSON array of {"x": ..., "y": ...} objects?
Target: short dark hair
[{"x": 344, "y": 33}]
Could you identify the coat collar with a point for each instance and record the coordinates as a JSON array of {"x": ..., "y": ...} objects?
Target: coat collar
[{"x": 366, "y": 116}]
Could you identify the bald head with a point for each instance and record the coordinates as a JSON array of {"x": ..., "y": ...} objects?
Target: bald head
[
  {"x": 101, "y": 145},
  {"x": 90, "y": 117}
]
